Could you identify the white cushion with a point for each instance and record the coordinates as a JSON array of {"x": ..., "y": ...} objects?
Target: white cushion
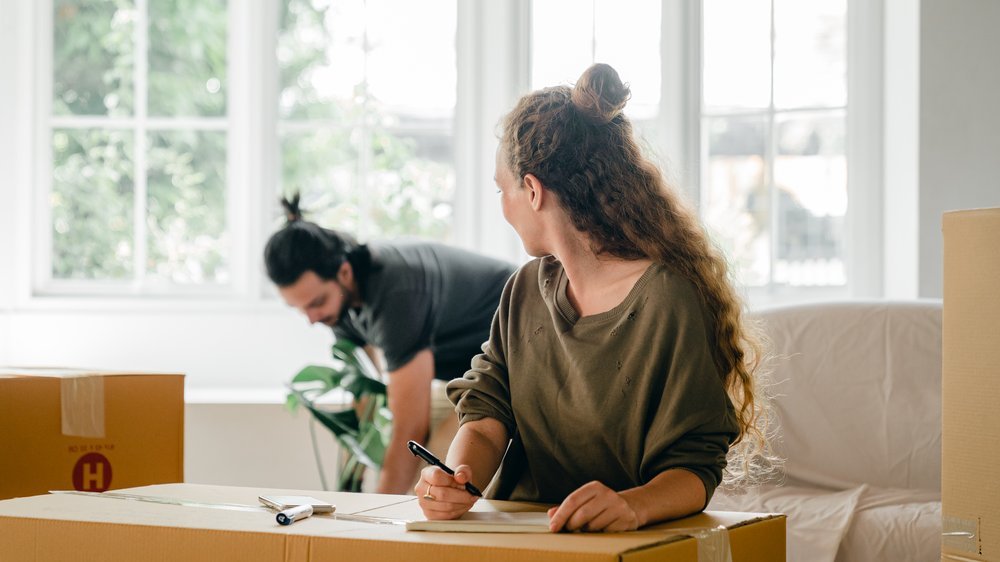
[{"x": 858, "y": 392}]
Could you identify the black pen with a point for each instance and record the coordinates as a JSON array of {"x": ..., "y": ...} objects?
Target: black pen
[{"x": 423, "y": 453}]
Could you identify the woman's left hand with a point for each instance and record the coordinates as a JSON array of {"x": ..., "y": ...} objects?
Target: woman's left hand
[{"x": 593, "y": 507}]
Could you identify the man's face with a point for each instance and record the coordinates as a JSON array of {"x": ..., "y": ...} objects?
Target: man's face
[{"x": 321, "y": 300}]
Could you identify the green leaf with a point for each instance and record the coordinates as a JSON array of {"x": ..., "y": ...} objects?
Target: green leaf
[{"x": 325, "y": 375}]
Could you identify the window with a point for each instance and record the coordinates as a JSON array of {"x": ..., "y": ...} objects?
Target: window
[
  {"x": 773, "y": 121},
  {"x": 143, "y": 170},
  {"x": 625, "y": 35},
  {"x": 152, "y": 182},
  {"x": 366, "y": 110},
  {"x": 768, "y": 150},
  {"x": 137, "y": 131}
]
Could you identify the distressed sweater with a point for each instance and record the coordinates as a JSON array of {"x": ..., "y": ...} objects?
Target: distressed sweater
[{"x": 617, "y": 397}]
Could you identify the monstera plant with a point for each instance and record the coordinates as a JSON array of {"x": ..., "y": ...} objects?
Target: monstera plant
[{"x": 362, "y": 427}]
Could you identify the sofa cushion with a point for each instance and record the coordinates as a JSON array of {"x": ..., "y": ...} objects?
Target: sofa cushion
[{"x": 858, "y": 392}]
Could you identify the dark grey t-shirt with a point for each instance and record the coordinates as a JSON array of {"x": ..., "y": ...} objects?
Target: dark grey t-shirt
[{"x": 422, "y": 295}]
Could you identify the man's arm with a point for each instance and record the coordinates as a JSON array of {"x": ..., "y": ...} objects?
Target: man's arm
[{"x": 409, "y": 391}]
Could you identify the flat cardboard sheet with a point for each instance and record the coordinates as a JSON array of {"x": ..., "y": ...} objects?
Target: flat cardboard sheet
[{"x": 65, "y": 526}]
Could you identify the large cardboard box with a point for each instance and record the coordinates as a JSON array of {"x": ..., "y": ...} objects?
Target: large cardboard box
[
  {"x": 66, "y": 429},
  {"x": 211, "y": 523},
  {"x": 970, "y": 446}
]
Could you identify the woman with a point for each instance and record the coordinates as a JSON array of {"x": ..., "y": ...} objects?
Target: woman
[{"x": 618, "y": 365}]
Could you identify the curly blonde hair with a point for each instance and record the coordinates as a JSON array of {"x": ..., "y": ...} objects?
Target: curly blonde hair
[{"x": 580, "y": 145}]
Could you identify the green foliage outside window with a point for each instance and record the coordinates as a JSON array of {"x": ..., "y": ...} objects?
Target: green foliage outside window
[{"x": 402, "y": 188}]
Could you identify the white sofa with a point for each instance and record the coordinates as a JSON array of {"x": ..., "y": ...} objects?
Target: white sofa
[{"x": 858, "y": 420}]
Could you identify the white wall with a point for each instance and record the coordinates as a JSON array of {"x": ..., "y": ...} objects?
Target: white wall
[
  {"x": 959, "y": 120},
  {"x": 257, "y": 445},
  {"x": 249, "y": 347}
]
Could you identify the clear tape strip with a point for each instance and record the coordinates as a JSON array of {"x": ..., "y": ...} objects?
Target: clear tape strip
[
  {"x": 164, "y": 500},
  {"x": 713, "y": 542},
  {"x": 960, "y": 534},
  {"x": 82, "y": 406}
]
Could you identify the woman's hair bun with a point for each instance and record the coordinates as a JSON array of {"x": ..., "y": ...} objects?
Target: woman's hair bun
[
  {"x": 599, "y": 94},
  {"x": 291, "y": 207}
]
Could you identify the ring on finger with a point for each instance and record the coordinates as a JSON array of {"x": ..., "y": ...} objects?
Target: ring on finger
[{"x": 428, "y": 495}]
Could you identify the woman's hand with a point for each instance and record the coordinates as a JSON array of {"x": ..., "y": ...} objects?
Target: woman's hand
[
  {"x": 593, "y": 507},
  {"x": 443, "y": 496}
]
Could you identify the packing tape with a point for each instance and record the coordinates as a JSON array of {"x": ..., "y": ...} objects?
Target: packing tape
[
  {"x": 82, "y": 403},
  {"x": 713, "y": 542},
  {"x": 959, "y": 534}
]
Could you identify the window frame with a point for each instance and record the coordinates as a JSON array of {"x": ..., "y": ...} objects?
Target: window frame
[
  {"x": 863, "y": 153},
  {"x": 493, "y": 70}
]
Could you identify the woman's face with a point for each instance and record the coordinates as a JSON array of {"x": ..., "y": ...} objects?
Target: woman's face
[{"x": 516, "y": 208}]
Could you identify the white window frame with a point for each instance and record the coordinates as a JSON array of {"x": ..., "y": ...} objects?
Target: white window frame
[
  {"x": 863, "y": 223},
  {"x": 493, "y": 71}
]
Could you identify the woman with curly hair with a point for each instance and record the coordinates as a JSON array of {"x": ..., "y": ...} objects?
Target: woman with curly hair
[{"x": 619, "y": 367}]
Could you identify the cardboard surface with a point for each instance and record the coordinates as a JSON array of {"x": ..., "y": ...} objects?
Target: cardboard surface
[
  {"x": 85, "y": 430},
  {"x": 970, "y": 497},
  {"x": 76, "y": 527}
]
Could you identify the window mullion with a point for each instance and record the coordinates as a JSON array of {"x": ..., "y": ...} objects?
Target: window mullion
[
  {"x": 42, "y": 227},
  {"x": 140, "y": 190},
  {"x": 769, "y": 156}
]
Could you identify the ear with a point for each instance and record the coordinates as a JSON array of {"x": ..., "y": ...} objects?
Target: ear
[
  {"x": 536, "y": 191},
  {"x": 345, "y": 275}
]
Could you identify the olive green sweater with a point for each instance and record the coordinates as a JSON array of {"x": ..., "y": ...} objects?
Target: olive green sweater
[{"x": 617, "y": 397}]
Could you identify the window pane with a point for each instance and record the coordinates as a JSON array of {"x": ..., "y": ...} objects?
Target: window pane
[
  {"x": 321, "y": 59},
  {"x": 91, "y": 203},
  {"x": 411, "y": 58},
  {"x": 735, "y": 201},
  {"x": 627, "y": 36},
  {"x": 92, "y": 57},
  {"x": 412, "y": 185},
  {"x": 622, "y": 33},
  {"x": 810, "y": 174},
  {"x": 810, "y": 53},
  {"x": 322, "y": 166},
  {"x": 736, "y": 54},
  {"x": 187, "y": 58},
  {"x": 186, "y": 207},
  {"x": 382, "y": 76},
  {"x": 560, "y": 58}
]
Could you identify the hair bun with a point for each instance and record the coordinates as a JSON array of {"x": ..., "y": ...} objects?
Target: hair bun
[
  {"x": 599, "y": 94},
  {"x": 291, "y": 207}
]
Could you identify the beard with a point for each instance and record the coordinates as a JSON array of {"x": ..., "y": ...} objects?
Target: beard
[{"x": 348, "y": 297}]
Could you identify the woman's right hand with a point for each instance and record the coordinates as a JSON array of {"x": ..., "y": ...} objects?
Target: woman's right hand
[{"x": 443, "y": 496}]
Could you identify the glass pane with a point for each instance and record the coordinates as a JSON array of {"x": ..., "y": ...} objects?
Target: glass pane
[
  {"x": 622, "y": 33},
  {"x": 92, "y": 56},
  {"x": 735, "y": 202},
  {"x": 627, "y": 36},
  {"x": 411, "y": 58},
  {"x": 736, "y": 60},
  {"x": 321, "y": 59},
  {"x": 92, "y": 204},
  {"x": 560, "y": 58},
  {"x": 187, "y": 58},
  {"x": 411, "y": 185},
  {"x": 322, "y": 166},
  {"x": 186, "y": 207},
  {"x": 810, "y": 174},
  {"x": 810, "y": 53}
]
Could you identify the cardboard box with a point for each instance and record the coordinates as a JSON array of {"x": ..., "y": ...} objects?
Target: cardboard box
[
  {"x": 970, "y": 444},
  {"x": 76, "y": 527},
  {"x": 66, "y": 429}
]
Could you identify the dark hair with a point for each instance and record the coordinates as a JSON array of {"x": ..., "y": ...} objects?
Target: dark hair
[
  {"x": 302, "y": 246},
  {"x": 579, "y": 144}
]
